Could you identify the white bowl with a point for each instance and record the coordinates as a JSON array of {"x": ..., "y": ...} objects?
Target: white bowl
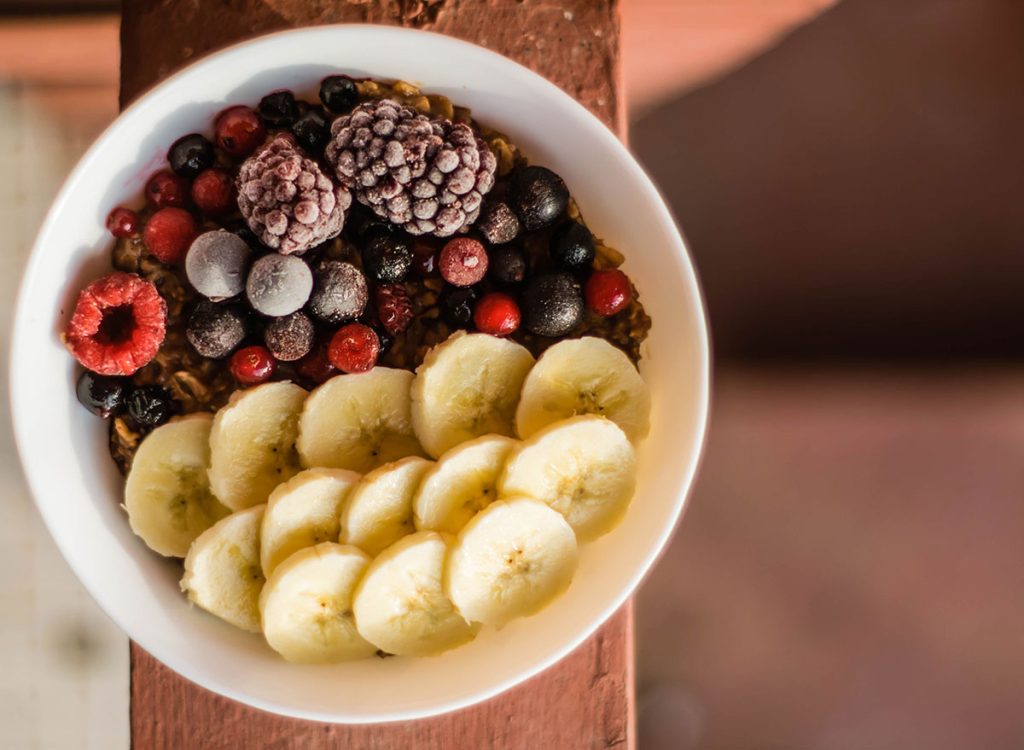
[{"x": 64, "y": 449}]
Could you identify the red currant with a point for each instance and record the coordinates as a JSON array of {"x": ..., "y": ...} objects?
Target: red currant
[
  {"x": 239, "y": 130},
  {"x": 168, "y": 234},
  {"x": 252, "y": 365},
  {"x": 213, "y": 192},
  {"x": 463, "y": 262},
  {"x": 497, "y": 314},
  {"x": 167, "y": 189},
  {"x": 608, "y": 291},
  {"x": 123, "y": 222},
  {"x": 316, "y": 367},
  {"x": 354, "y": 348}
]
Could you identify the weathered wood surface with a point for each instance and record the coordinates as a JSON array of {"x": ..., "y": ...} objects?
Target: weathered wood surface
[{"x": 585, "y": 701}]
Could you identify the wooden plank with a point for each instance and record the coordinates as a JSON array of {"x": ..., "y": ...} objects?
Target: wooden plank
[{"x": 585, "y": 701}]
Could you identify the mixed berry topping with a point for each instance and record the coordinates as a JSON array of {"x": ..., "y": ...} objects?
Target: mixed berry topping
[
  {"x": 289, "y": 338},
  {"x": 538, "y": 196},
  {"x": 213, "y": 192},
  {"x": 190, "y": 155},
  {"x": 169, "y": 233},
  {"x": 608, "y": 291},
  {"x": 216, "y": 264},
  {"x": 252, "y": 365},
  {"x": 387, "y": 259},
  {"x": 167, "y": 189},
  {"x": 123, "y": 222},
  {"x": 552, "y": 304},
  {"x": 238, "y": 131},
  {"x": 354, "y": 348},
  {"x": 150, "y": 405},
  {"x": 103, "y": 396},
  {"x": 572, "y": 247},
  {"x": 215, "y": 331},
  {"x": 340, "y": 292},
  {"x": 497, "y": 314},
  {"x": 394, "y": 308},
  {"x": 278, "y": 284},
  {"x": 339, "y": 93},
  {"x": 463, "y": 262}
]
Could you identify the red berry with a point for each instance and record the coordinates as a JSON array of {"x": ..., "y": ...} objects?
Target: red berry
[
  {"x": 608, "y": 291},
  {"x": 463, "y": 262},
  {"x": 239, "y": 130},
  {"x": 168, "y": 234},
  {"x": 123, "y": 222},
  {"x": 167, "y": 189},
  {"x": 497, "y": 314},
  {"x": 394, "y": 308},
  {"x": 213, "y": 192},
  {"x": 118, "y": 324},
  {"x": 316, "y": 367},
  {"x": 252, "y": 365},
  {"x": 424, "y": 258},
  {"x": 354, "y": 348}
]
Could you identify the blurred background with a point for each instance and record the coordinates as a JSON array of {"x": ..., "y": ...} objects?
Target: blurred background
[{"x": 848, "y": 176}]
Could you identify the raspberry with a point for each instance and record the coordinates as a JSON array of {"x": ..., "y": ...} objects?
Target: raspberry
[
  {"x": 168, "y": 234},
  {"x": 167, "y": 189},
  {"x": 123, "y": 222},
  {"x": 354, "y": 348},
  {"x": 463, "y": 262},
  {"x": 497, "y": 314},
  {"x": 118, "y": 324},
  {"x": 608, "y": 291},
  {"x": 238, "y": 130},
  {"x": 252, "y": 365},
  {"x": 213, "y": 192},
  {"x": 394, "y": 308}
]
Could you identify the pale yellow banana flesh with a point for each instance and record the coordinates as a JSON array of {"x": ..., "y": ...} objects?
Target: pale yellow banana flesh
[{"x": 378, "y": 512}]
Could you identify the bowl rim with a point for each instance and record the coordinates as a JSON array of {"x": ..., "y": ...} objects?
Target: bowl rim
[{"x": 19, "y": 381}]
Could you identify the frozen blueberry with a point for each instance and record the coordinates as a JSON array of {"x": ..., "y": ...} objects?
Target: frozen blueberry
[
  {"x": 340, "y": 292},
  {"x": 552, "y": 304},
  {"x": 190, "y": 155},
  {"x": 457, "y": 306},
  {"x": 387, "y": 259},
  {"x": 278, "y": 284},
  {"x": 289, "y": 338},
  {"x": 215, "y": 330},
  {"x": 103, "y": 396},
  {"x": 150, "y": 405},
  {"x": 215, "y": 264},
  {"x": 507, "y": 265},
  {"x": 572, "y": 246},
  {"x": 279, "y": 109},
  {"x": 338, "y": 93},
  {"x": 538, "y": 196},
  {"x": 312, "y": 130},
  {"x": 498, "y": 223}
]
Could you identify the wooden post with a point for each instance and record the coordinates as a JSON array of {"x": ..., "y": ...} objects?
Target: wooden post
[{"x": 586, "y": 700}]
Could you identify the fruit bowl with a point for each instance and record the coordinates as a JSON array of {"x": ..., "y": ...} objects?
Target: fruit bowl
[{"x": 78, "y": 490}]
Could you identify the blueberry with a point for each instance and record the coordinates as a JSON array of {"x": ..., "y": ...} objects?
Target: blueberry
[
  {"x": 215, "y": 331},
  {"x": 538, "y": 196},
  {"x": 101, "y": 395},
  {"x": 150, "y": 405},
  {"x": 457, "y": 305},
  {"x": 289, "y": 338},
  {"x": 387, "y": 259},
  {"x": 386, "y": 339},
  {"x": 312, "y": 130},
  {"x": 507, "y": 265},
  {"x": 498, "y": 223},
  {"x": 340, "y": 292},
  {"x": 552, "y": 304},
  {"x": 363, "y": 225},
  {"x": 338, "y": 93},
  {"x": 190, "y": 155},
  {"x": 279, "y": 109},
  {"x": 572, "y": 246}
]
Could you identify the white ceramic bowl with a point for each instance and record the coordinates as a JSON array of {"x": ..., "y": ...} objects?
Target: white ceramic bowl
[{"x": 78, "y": 491}]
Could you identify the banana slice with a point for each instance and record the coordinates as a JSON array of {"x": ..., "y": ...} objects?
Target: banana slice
[
  {"x": 379, "y": 510},
  {"x": 307, "y": 605},
  {"x": 222, "y": 569},
  {"x": 252, "y": 443},
  {"x": 512, "y": 559},
  {"x": 358, "y": 422},
  {"x": 303, "y": 512},
  {"x": 584, "y": 376},
  {"x": 400, "y": 605},
  {"x": 583, "y": 467},
  {"x": 463, "y": 482},
  {"x": 167, "y": 494},
  {"x": 467, "y": 387}
]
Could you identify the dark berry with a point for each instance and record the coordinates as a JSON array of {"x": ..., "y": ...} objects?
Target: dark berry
[
  {"x": 363, "y": 225},
  {"x": 497, "y": 314},
  {"x": 572, "y": 247},
  {"x": 608, "y": 291},
  {"x": 279, "y": 109},
  {"x": 167, "y": 189},
  {"x": 213, "y": 192},
  {"x": 168, "y": 234},
  {"x": 216, "y": 264},
  {"x": 150, "y": 405},
  {"x": 241, "y": 229},
  {"x": 386, "y": 339},
  {"x": 394, "y": 308},
  {"x": 552, "y": 304},
  {"x": 215, "y": 331},
  {"x": 118, "y": 324},
  {"x": 289, "y": 338},
  {"x": 424, "y": 257},
  {"x": 312, "y": 130},
  {"x": 387, "y": 259},
  {"x": 463, "y": 262},
  {"x": 123, "y": 222},
  {"x": 340, "y": 292},
  {"x": 538, "y": 196},
  {"x": 101, "y": 395},
  {"x": 354, "y": 348},
  {"x": 316, "y": 366},
  {"x": 239, "y": 130},
  {"x": 507, "y": 265},
  {"x": 190, "y": 155},
  {"x": 498, "y": 223},
  {"x": 457, "y": 306},
  {"x": 252, "y": 365},
  {"x": 338, "y": 93},
  {"x": 278, "y": 284}
]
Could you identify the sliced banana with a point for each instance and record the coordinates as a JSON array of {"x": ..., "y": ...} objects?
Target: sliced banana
[
  {"x": 222, "y": 569},
  {"x": 400, "y": 605},
  {"x": 511, "y": 560},
  {"x": 303, "y": 512},
  {"x": 462, "y": 483},
  {"x": 583, "y": 467},
  {"x": 358, "y": 422},
  {"x": 467, "y": 387},
  {"x": 378, "y": 512},
  {"x": 167, "y": 494},
  {"x": 307, "y": 605},
  {"x": 584, "y": 376},
  {"x": 252, "y": 443}
]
